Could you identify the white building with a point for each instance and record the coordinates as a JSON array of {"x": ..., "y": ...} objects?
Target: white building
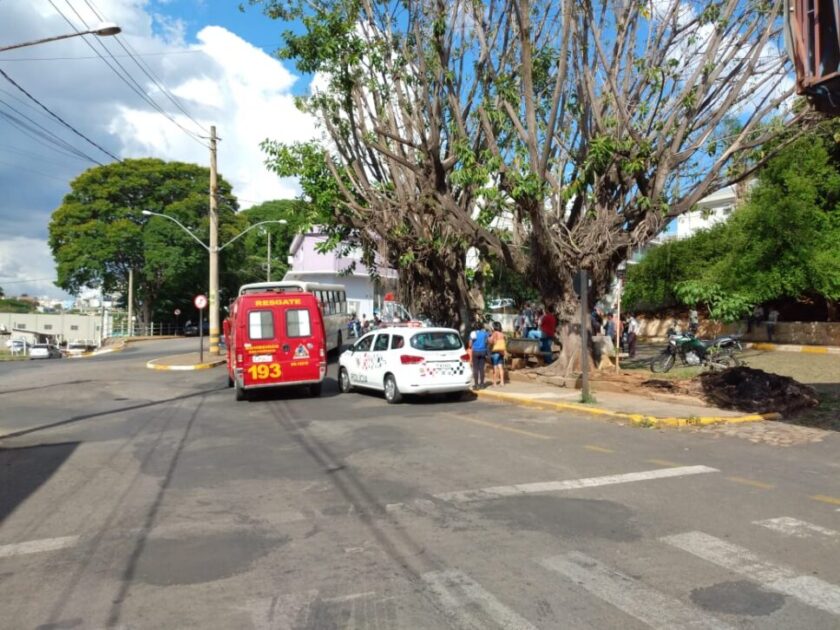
[
  {"x": 363, "y": 293},
  {"x": 711, "y": 210}
]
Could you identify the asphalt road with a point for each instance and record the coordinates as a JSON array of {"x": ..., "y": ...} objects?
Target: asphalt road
[{"x": 132, "y": 498}]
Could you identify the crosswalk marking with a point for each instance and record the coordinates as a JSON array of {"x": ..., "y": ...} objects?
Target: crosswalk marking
[
  {"x": 460, "y": 595},
  {"x": 629, "y": 595},
  {"x": 796, "y": 528},
  {"x": 37, "y": 546},
  {"x": 807, "y": 589},
  {"x": 466, "y": 496}
]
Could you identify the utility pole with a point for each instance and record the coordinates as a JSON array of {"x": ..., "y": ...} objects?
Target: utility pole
[
  {"x": 214, "y": 249},
  {"x": 130, "y": 302},
  {"x": 268, "y": 258}
]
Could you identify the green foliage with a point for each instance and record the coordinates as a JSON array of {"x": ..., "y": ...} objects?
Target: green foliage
[
  {"x": 98, "y": 233},
  {"x": 781, "y": 244},
  {"x": 297, "y": 217},
  {"x": 12, "y": 305}
]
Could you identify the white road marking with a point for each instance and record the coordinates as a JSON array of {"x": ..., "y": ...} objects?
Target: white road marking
[
  {"x": 806, "y": 588},
  {"x": 796, "y": 528},
  {"x": 460, "y": 596},
  {"x": 348, "y": 598},
  {"x": 283, "y": 612},
  {"x": 37, "y": 546},
  {"x": 629, "y": 595},
  {"x": 496, "y": 492}
]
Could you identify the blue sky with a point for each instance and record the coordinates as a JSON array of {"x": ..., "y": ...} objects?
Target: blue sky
[{"x": 214, "y": 59}]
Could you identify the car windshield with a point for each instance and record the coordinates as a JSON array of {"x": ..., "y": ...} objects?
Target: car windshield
[{"x": 440, "y": 340}]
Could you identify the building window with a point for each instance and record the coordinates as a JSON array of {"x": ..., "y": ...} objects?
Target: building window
[
  {"x": 74, "y": 328},
  {"x": 47, "y": 326},
  {"x": 21, "y": 326}
]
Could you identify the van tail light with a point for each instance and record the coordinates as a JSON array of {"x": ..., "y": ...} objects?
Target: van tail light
[
  {"x": 238, "y": 359},
  {"x": 465, "y": 357},
  {"x": 410, "y": 359},
  {"x": 322, "y": 353}
]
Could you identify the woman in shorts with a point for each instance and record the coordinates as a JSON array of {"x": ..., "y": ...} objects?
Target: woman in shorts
[{"x": 498, "y": 347}]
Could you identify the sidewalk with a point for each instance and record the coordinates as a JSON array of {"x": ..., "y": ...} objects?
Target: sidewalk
[{"x": 637, "y": 410}]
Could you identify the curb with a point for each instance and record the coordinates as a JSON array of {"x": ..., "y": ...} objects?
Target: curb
[
  {"x": 775, "y": 347},
  {"x": 634, "y": 418},
  {"x": 153, "y": 365}
]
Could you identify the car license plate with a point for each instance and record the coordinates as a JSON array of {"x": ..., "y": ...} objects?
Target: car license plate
[{"x": 261, "y": 358}]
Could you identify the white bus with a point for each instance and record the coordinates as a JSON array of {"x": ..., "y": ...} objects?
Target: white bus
[{"x": 332, "y": 299}]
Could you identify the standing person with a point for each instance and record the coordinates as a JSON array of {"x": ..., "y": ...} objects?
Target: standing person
[
  {"x": 596, "y": 321},
  {"x": 609, "y": 327},
  {"x": 498, "y": 347},
  {"x": 693, "y": 321},
  {"x": 545, "y": 333},
  {"x": 632, "y": 332},
  {"x": 757, "y": 317},
  {"x": 772, "y": 320},
  {"x": 527, "y": 319},
  {"x": 479, "y": 340}
]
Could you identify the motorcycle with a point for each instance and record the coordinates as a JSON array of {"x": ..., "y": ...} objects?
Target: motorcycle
[{"x": 715, "y": 354}]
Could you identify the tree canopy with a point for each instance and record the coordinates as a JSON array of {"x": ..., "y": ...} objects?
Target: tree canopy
[
  {"x": 781, "y": 244},
  {"x": 98, "y": 233},
  {"x": 297, "y": 216},
  {"x": 549, "y": 135}
]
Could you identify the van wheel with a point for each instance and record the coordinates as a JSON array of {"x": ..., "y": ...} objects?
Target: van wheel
[
  {"x": 241, "y": 394},
  {"x": 315, "y": 390},
  {"x": 344, "y": 381},
  {"x": 392, "y": 392}
]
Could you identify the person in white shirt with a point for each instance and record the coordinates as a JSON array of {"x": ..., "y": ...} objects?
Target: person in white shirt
[{"x": 632, "y": 332}]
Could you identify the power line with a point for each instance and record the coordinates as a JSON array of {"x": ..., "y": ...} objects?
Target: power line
[
  {"x": 146, "y": 69},
  {"x": 125, "y": 76},
  {"x": 85, "y": 57},
  {"x": 57, "y": 117},
  {"x": 38, "y": 132}
]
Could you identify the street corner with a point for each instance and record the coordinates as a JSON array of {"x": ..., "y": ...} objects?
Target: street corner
[{"x": 183, "y": 364}]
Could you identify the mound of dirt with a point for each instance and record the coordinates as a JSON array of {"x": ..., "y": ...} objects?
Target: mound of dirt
[{"x": 748, "y": 389}]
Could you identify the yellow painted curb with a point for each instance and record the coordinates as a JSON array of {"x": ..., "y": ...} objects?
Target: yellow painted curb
[
  {"x": 633, "y": 418},
  {"x": 152, "y": 365}
]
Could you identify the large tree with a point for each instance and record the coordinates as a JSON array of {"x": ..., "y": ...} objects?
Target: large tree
[
  {"x": 550, "y": 135},
  {"x": 99, "y": 233},
  {"x": 781, "y": 244}
]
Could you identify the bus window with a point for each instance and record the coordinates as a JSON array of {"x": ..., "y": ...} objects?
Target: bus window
[
  {"x": 297, "y": 323},
  {"x": 342, "y": 297},
  {"x": 261, "y": 325}
]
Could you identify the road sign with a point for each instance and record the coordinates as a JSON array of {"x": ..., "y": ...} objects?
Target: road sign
[
  {"x": 200, "y": 301},
  {"x": 177, "y": 311}
]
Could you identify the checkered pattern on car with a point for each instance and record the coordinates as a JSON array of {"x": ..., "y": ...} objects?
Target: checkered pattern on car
[{"x": 450, "y": 368}]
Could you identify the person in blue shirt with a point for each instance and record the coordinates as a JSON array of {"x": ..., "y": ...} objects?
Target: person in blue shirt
[{"x": 479, "y": 339}]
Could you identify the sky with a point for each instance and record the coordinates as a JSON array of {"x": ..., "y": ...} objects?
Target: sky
[{"x": 205, "y": 63}]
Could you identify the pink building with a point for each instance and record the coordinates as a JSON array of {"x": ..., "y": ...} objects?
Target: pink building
[{"x": 363, "y": 293}]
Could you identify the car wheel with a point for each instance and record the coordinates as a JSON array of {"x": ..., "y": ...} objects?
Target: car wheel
[
  {"x": 392, "y": 392},
  {"x": 315, "y": 390},
  {"x": 344, "y": 385},
  {"x": 241, "y": 394}
]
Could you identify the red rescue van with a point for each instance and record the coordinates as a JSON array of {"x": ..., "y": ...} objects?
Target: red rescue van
[{"x": 275, "y": 338}]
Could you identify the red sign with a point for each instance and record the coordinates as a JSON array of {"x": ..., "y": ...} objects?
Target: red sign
[{"x": 200, "y": 301}]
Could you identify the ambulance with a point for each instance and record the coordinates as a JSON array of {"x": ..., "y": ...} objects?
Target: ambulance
[{"x": 275, "y": 338}]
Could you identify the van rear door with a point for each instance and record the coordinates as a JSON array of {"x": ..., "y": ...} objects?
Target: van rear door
[{"x": 303, "y": 350}]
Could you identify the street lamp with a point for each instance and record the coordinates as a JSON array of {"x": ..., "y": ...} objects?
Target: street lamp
[
  {"x": 214, "y": 256},
  {"x": 103, "y": 30}
]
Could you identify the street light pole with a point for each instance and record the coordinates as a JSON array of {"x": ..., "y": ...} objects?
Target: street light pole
[
  {"x": 214, "y": 248},
  {"x": 103, "y": 30},
  {"x": 268, "y": 259}
]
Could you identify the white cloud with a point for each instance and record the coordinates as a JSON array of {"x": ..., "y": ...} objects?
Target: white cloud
[{"x": 220, "y": 79}]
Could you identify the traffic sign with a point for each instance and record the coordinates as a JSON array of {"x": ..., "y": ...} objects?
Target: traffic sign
[
  {"x": 200, "y": 301},
  {"x": 177, "y": 311}
]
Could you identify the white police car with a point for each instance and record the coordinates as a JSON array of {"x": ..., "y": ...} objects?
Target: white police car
[{"x": 403, "y": 360}]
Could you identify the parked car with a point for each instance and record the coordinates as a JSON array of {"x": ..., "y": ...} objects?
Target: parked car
[
  {"x": 404, "y": 360},
  {"x": 44, "y": 351},
  {"x": 16, "y": 345},
  {"x": 191, "y": 330}
]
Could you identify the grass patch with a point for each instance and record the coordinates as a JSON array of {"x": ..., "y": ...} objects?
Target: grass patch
[{"x": 588, "y": 399}]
